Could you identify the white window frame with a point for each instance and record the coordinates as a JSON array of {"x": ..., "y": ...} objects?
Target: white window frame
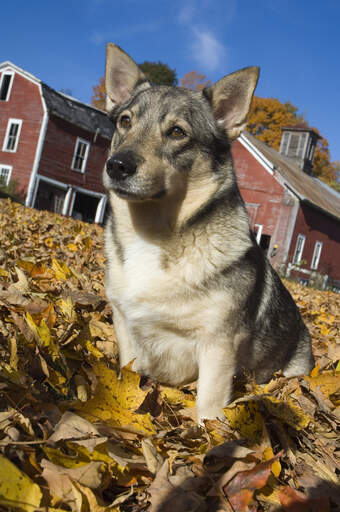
[
  {"x": 10, "y": 84},
  {"x": 9, "y": 169},
  {"x": 298, "y": 256},
  {"x": 9, "y": 124},
  {"x": 80, "y": 141},
  {"x": 316, "y": 255},
  {"x": 259, "y": 232}
]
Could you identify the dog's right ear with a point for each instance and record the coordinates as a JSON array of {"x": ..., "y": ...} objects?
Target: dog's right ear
[
  {"x": 231, "y": 98},
  {"x": 122, "y": 75}
]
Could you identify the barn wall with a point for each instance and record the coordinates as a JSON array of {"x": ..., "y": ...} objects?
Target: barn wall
[
  {"x": 24, "y": 103},
  {"x": 268, "y": 202},
  {"x": 57, "y": 155},
  {"x": 317, "y": 226}
]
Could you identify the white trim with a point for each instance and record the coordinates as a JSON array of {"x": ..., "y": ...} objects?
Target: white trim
[
  {"x": 301, "y": 238},
  {"x": 267, "y": 164},
  {"x": 9, "y": 168},
  {"x": 10, "y": 84},
  {"x": 87, "y": 143},
  {"x": 25, "y": 74},
  {"x": 12, "y": 121},
  {"x": 31, "y": 190},
  {"x": 259, "y": 232},
  {"x": 100, "y": 210},
  {"x": 316, "y": 253},
  {"x": 51, "y": 181},
  {"x": 67, "y": 201}
]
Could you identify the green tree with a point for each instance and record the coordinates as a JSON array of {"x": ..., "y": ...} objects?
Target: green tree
[{"x": 159, "y": 73}]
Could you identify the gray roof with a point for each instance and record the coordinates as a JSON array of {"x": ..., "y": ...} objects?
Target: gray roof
[
  {"x": 307, "y": 188},
  {"x": 74, "y": 111}
]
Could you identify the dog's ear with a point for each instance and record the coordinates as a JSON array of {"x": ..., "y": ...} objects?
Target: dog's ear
[
  {"x": 122, "y": 75},
  {"x": 231, "y": 99}
]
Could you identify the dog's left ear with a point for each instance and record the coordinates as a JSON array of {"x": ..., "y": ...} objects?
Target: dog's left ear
[
  {"x": 231, "y": 99},
  {"x": 122, "y": 75}
]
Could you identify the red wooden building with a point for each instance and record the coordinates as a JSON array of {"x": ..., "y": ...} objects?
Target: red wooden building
[
  {"x": 53, "y": 146},
  {"x": 295, "y": 216}
]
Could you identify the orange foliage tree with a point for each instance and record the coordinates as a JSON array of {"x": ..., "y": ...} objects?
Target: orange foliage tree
[
  {"x": 195, "y": 81},
  {"x": 266, "y": 118},
  {"x": 98, "y": 96}
]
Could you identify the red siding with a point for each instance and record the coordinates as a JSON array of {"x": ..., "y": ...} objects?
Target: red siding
[
  {"x": 317, "y": 226},
  {"x": 275, "y": 209},
  {"x": 24, "y": 103},
  {"x": 57, "y": 155}
]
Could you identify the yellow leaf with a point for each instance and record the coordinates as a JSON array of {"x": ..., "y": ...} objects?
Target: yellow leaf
[
  {"x": 61, "y": 271},
  {"x": 49, "y": 242},
  {"x": 315, "y": 371},
  {"x": 67, "y": 309},
  {"x": 3, "y": 272},
  {"x": 276, "y": 466},
  {"x": 328, "y": 382},
  {"x": 16, "y": 489},
  {"x": 246, "y": 419},
  {"x": 72, "y": 247},
  {"x": 57, "y": 381},
  {"x": 93, "y": 350},
  {"x": 116, "y": 400},
  {"x": 287, "y": 411},
  {"x": 337, "y": 369},
  {"x": 176, "y": 396}
]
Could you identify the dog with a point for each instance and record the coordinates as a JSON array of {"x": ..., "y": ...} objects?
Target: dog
[{"x": 192, "y": 293}]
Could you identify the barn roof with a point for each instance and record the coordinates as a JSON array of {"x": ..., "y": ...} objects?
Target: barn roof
[
  {"x": 307, "y": 188},
  {"x": 74, "y": 111},
  {"x": 68, "y": 108}
]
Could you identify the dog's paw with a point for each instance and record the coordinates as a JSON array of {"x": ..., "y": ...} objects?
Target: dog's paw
[{"x": 211, "y": 413}]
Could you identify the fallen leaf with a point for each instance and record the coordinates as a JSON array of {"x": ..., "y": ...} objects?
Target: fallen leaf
[{"x": 16, "y": 489}]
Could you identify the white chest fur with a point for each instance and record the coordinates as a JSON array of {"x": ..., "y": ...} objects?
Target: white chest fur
[{"x": 166, "y": 318}]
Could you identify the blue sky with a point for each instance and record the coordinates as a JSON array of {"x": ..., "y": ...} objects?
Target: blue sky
[{"x": 295, "y": 42}]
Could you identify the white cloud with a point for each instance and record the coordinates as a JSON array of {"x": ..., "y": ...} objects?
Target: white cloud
[
  {"x": 207, "y": 50},
  {"x": 187, "y": 12}
]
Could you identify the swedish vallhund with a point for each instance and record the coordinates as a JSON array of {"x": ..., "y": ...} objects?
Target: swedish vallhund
[{"x": 193, "y": 295}]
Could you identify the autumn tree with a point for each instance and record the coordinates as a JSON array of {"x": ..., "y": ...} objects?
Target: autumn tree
[
  {"x": 195, "y": 81},
  {"x": 266, "y": 118},
  {"x": 157, "y": 72},
  {"x": 98, "y": 96}
]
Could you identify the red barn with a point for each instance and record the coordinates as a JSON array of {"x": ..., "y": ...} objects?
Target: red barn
[
  {"x": 295, "y": 216},
  {"x": 53, "y": 146}
]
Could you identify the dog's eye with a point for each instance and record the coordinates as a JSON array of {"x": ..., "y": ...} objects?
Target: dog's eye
[
  {"x": 176, "y": 133},
  {"x": 125, "y": 121}
]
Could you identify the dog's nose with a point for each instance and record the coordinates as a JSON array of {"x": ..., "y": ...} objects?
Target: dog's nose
[{"x": 121, "y": 165}]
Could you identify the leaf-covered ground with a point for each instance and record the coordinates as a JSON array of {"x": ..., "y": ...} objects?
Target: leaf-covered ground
[{"x": 74, "y": 436}]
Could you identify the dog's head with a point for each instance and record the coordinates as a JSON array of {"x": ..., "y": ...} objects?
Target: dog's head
[{"x": 165, "y": 136}]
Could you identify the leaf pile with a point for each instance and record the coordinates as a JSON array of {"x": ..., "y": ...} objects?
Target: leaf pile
[{"x": 76, "y": 434}]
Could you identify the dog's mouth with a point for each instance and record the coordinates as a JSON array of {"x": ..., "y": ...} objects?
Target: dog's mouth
[{"x": 135, "y": 196}]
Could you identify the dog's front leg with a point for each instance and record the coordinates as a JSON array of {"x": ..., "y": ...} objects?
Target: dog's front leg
[
  {"x": 126, "y": 352},
  {"x": 215, "y": 381}
]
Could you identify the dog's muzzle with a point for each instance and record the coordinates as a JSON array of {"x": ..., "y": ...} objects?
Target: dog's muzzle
[{"x": 121, "y": 165}]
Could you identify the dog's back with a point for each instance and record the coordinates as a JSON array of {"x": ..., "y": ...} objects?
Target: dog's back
[{"x": 192, "y": 293}]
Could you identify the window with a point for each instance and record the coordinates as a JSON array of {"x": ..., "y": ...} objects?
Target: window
[
  {"x": 316, "y": 255},
  {"x": 300, "y": 242},
  {"x": 80, "y": 155},
  {"x": 12, "y": 135},
  {"x": 5, "y": 175},
  {"x": 5, "y": 86}
]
